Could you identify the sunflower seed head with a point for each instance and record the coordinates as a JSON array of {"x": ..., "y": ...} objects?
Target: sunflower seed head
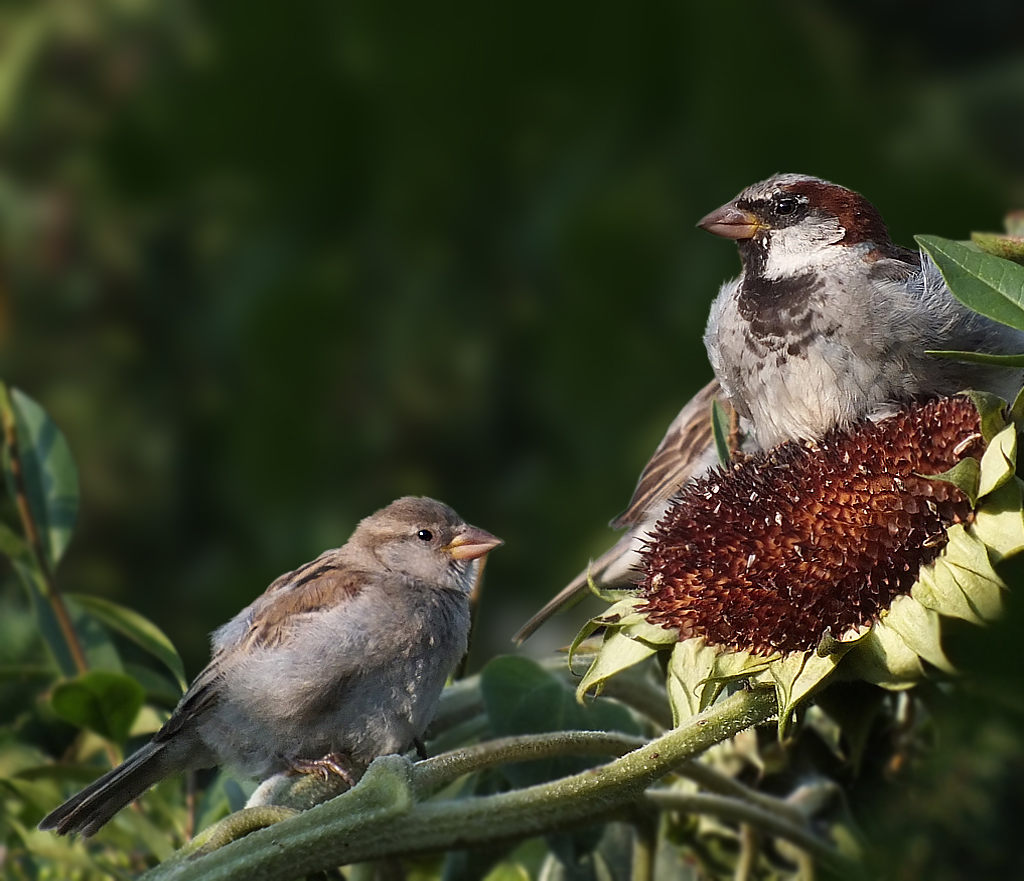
[{"x": 783, "y": 547}]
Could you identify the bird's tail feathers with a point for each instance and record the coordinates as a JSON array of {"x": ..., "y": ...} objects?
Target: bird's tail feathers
[{"x": 100, "y": 800}]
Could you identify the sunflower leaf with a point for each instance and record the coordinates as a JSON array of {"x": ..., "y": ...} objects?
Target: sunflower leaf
[
  {"x": 998, "y": 463},
  {"x": 884, "y": 658},
  {"x": 689, "y": 667},
  {"x": 961, "y": 583},
  {"x": 795, "y": 677},
  {"x": 989, "y": 285},
  {"x": 919, "y": 629},
  {"x": 978, "y": 357},
  {"x": 999, "y": 522},
  {"x": 616, "y": 654}
]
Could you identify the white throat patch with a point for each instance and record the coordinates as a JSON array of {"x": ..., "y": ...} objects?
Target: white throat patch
[{"x": 794, "y": 250}]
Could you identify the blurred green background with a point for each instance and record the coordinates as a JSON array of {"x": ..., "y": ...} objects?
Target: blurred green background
[{"x": 270, "y": 265}]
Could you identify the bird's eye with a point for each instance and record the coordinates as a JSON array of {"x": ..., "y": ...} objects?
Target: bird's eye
[
  {"x": 424, "y": 535},
  {"x": 786, "y": 205}
]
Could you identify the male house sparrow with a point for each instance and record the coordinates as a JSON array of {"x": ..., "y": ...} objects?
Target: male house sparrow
[
  {"x": 343, "y": 659},
  {"x": 828, "y": 322}
]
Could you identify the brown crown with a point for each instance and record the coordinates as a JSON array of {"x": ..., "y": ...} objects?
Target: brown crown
[{"x": 775, "y": 551}]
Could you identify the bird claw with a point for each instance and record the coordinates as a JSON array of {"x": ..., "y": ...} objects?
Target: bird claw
[{"x": 332, "y": 763}]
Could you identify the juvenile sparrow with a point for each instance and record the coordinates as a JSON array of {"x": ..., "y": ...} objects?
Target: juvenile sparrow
[
  {"x": 342, "y": 660},
  {"x": 827, "y": 323}
]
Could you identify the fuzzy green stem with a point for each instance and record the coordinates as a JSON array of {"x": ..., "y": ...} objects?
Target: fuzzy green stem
[
  {"x": 380, "y": 816},
  {"x": 437, "y": 772},
  {"x": 434, "y": 773}
]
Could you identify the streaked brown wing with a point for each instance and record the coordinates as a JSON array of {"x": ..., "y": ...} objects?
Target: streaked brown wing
[
  {"x": 329, "y": 580},
  {"x": 326, "y": 581},
  {"x": 682, "y": 451}
]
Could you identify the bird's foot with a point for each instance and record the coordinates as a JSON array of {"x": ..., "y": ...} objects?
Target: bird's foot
[{"x": 332, "y": 763}]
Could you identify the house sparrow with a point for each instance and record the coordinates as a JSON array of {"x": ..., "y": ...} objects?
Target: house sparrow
[
  {"x": 338, "y": 662},
  {"x": 828, "y": 322}
]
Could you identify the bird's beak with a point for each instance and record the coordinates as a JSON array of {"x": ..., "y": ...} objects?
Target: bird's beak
[
  {"x": 731, "y": 222},
  {"x": 471, "y": 543}
]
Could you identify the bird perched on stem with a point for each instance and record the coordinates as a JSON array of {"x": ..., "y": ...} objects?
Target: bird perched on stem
[
  {"x": 828, "y": 322},
  {"x": 338, "y": 662}
]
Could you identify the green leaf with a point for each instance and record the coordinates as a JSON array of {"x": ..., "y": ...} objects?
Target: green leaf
[
  {"x": 620, "y": 613},
  {"x": 581, "y": 638},
  {"x": 159, "y": 687},
  {"x": 796, "y": 676},
  {"x": 991, "y": 411},
  {"x": 732, "y": 666},
  {"x": 689, "y": 669},
  {"x": 13, "y": 546},
  {"x": 999, "y": 522},
  {"x": 961, "y": 583},
  {"x": 99, "y": 648},
  {"x": 919, "y": 629},
  {"x": 101, "y": 701},
  {"x": 608, "y": 594},
  {"x": 48, "y": 475},
  {"x": 617, "y": 653},
  {"x": 629, "y": 638},
  {"x": 698, "y": 673},
  {"x": 522, "y": 698},
  {"x": 100, "y": 652},
  {"x": 884, "y": 658},
  {"x": 46, "y": 619},
  {"x": 964, "y": 476},
  {"x": 721, "y": 428},
  {"x": 980, "y": 358},
  {"x": 989, "y": 285},
  {"x": 18, "y": 758},
  {"x": 999, "y": 461},
  {"x": 138, "y": 629},
  {"x": 626, "y": 615},
  {"x": 1016, "y": 414}
]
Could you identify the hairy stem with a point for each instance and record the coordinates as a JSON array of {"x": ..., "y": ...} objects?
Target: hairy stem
[
  {"x": 381, "y": 817},
  {"x": 434, "y": 773}
]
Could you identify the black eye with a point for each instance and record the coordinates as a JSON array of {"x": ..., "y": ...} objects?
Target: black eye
[
  {"x": 424, "y": 535},
  {"x": 786, "y": 205}
]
